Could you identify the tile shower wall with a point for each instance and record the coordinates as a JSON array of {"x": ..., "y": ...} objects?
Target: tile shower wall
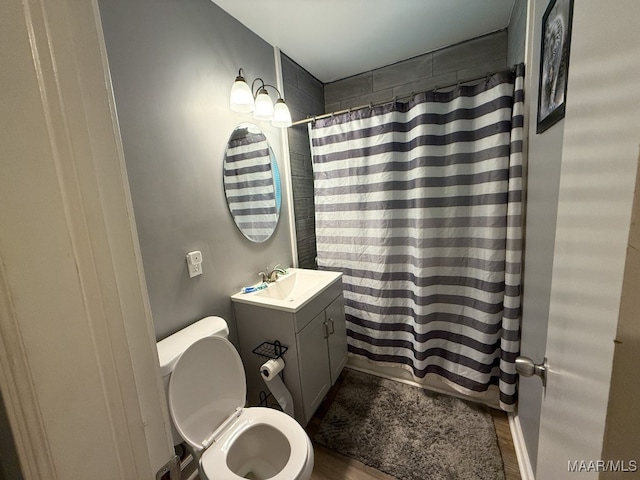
[
  {"x": 443, "y": 67},
  {"x": 305, "y": 97},
  {"x": 516, "y": 33}
]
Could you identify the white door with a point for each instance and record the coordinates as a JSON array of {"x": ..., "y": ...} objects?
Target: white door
[
  {"x": 600, "y": 152},
  {"x": 79, "y": 373}
]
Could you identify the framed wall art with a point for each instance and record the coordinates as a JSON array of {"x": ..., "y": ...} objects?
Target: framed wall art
[{"x": 554, "y": 63}]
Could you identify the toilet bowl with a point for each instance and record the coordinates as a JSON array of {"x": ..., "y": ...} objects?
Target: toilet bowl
[{"x": 207, "y": 394}]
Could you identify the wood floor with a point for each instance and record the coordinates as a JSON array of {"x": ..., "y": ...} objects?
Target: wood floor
[{"x": 330, "y": 465}]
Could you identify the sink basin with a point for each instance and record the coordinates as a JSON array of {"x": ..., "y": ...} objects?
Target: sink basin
[{"x": 291, "y": 291}]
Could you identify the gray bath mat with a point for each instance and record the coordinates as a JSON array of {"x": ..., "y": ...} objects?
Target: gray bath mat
[{"x": 410, "y": 433}]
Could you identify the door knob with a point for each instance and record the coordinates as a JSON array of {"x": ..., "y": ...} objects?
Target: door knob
[{"x": 526, "y": 368}]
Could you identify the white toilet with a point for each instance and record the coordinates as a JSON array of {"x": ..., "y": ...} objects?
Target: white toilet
[{"x": 207, "y": 394}]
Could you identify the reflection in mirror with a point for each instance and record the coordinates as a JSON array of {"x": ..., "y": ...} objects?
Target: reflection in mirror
[{"x": 252, "y": 183}]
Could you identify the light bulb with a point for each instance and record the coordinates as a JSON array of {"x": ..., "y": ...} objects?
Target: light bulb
[
  {"x": 264, "y": 106},
  {"x": 241, "y": 98},
  {"x": 281, "y": 115}
]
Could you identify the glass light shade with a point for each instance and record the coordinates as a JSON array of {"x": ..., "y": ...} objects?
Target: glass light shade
[
  {"x": 241, "y": 98},
  {"x": 264, "y": 106},
  {"x": 281, "y": 115}
]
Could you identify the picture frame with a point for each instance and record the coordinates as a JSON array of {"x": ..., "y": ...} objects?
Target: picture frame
[{"x": 554, "y": 63}]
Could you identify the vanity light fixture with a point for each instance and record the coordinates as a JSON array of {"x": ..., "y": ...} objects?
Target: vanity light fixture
[{"x": 244, "y": 100}]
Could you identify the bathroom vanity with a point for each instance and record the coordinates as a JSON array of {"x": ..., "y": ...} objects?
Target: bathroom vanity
[{"x": 303, "y": 311}]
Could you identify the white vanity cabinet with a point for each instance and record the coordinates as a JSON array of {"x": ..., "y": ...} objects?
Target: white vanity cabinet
[{"x": 316, "y": 337}]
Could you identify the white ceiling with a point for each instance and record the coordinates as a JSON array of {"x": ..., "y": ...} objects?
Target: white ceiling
[{"x": 334, "y": 39}]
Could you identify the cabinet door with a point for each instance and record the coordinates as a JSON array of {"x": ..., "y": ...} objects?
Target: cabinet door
[
  {"x": 313, "y": 359},
  {"x": 337, "y": 340}
]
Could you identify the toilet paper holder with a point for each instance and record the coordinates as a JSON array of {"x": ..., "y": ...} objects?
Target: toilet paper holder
[{"x": 271, "y": 350}]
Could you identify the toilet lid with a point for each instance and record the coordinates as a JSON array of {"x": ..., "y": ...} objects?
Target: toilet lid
[{"x": 207, "y": 385}]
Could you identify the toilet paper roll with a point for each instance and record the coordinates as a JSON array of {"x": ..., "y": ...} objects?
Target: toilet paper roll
[
  {"x": 271, "y": 368},
  {"x": 269, "y": 372}
]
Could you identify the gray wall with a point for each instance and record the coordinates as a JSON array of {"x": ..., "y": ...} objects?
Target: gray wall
[
  {"x": 460, "y": 62},
  {"x": 305, "y": 97},
  {"x": 543, "y": 183},
  {"x": 172, "y": 65}
]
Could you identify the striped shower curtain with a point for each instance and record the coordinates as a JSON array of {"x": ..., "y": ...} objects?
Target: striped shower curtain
[{"x": 419, "y": 205}]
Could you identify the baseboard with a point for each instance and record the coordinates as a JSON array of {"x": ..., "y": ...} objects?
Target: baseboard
[{"x": 524, "y": 462}]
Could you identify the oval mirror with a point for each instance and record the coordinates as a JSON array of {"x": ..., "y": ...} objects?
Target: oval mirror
[{"x": 252, "y": 182}]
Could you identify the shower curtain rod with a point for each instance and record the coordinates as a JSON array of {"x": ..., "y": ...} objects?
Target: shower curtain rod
[{"x": 394, "y": 99}]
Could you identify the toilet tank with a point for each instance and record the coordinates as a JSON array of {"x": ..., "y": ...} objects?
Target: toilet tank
[{"x": 170, "y": 349}]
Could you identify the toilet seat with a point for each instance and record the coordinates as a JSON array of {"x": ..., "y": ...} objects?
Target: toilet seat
[
  {"x": 213, "y": 462},
  {"x": 207, "y": 393}
]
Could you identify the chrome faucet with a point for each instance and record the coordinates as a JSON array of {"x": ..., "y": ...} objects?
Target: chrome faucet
[{"x": 272, "y": 274}]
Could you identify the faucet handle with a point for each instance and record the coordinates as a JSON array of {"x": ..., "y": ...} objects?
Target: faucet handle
[
  {"x": 264, "y": 276},
  {"x": 273, "y": 275}
]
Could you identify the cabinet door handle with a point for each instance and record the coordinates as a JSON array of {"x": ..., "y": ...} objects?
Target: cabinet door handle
[
  {"x": 333, "y": 328},
  {"x": 326, "y": 329}
]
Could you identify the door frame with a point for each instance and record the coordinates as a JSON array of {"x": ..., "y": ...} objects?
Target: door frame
[{"x": 62, "y": 138}]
